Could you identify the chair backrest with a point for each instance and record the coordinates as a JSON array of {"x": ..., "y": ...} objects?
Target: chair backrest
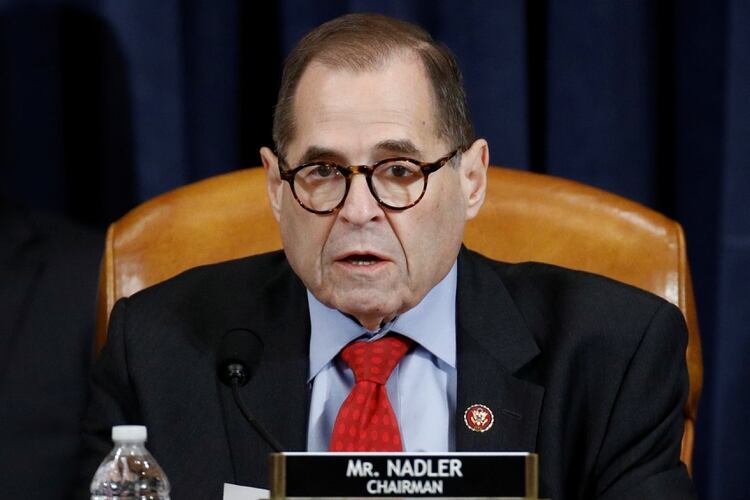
[{"x": 526, "y": 217}]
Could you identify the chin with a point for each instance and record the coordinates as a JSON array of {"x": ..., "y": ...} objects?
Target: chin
[{"x": 367, "y": 306}]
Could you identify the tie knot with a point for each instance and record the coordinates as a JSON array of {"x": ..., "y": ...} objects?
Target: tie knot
[{"x": 374, "y": 361}]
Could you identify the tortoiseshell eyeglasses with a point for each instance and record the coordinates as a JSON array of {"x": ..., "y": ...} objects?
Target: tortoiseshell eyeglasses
[{"x": 396, "y": 183}]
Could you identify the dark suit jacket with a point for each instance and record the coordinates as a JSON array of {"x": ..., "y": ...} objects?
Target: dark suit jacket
[
  {"x": 588, "y": 372},
  {"x": 48, "y": 279}
]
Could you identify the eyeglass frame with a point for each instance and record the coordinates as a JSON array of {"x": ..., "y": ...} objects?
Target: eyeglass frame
[{"x": 348, "y": 172}]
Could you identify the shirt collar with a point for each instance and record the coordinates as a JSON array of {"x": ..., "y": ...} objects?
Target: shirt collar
[{"x": 431, "y": 323}]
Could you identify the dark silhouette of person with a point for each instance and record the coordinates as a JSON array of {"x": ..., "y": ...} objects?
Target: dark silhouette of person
[{"x": 48, "y": 280}]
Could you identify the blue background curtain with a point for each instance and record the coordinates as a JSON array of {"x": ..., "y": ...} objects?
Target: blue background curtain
[{"x": 106, "y": 103}]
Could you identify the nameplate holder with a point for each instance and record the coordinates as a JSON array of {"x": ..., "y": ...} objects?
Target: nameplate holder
[{"x": 386, "y": 475}]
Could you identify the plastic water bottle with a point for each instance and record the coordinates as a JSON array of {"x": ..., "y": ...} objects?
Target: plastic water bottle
[{"x": 129, "y": 471}]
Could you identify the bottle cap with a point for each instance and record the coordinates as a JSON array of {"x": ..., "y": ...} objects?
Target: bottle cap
[{"x": 129, "y": 433}]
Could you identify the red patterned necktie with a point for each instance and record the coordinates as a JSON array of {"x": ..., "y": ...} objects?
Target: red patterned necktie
[{"x": 366, "y": 421}]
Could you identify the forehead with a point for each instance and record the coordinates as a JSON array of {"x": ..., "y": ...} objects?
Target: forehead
[{"x": 354, "y": 111}]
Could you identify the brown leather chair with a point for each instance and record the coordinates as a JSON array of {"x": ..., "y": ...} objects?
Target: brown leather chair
[{"x": 526, "y": 216}]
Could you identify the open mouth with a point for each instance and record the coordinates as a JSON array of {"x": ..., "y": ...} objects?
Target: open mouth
[{"x": 366, "y": 259}]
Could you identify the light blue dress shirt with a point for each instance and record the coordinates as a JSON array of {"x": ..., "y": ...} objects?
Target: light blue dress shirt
[{"x": 422, "y": 388}]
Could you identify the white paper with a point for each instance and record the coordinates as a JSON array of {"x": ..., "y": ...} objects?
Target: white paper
[{"x": 237, "y": 492}]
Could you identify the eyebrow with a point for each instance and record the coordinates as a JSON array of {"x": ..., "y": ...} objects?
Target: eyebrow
[
  {"x": 391, "y": 146},
  {"x": 403, "y": 147},
  {"x": 319, "y": 153}
]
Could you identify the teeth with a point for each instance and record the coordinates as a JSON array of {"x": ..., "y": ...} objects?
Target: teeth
[{"x": 363, "y": 262}]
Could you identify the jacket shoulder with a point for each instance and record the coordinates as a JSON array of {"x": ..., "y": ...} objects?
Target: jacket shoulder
[
  {"x": 565, "y": 303},
  {"x": 226, "y": 293},
  {"x": 230, "y": 276},
  {"x": 530, "y": 278}
]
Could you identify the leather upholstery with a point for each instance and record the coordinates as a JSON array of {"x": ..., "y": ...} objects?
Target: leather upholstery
[{"x": 525, "y": 217}]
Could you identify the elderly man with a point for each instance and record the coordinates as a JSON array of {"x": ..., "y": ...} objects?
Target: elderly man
[{"x": 379, "y": 331}]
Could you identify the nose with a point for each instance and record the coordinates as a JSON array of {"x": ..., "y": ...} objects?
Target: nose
[{"x": 360, "y": 205}]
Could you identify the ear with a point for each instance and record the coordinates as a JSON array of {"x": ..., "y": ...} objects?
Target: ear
[
  {"x": 473, "y": 172},
  {"x": 274, "y": 184}
]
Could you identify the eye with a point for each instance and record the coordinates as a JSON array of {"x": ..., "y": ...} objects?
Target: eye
[
  {"x": 400, "y": 170},
  {"x": 322, "y": 171}
]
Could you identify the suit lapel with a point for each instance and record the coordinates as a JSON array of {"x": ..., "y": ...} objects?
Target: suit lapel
[
  {"x": 493, "y": 344},
  {"x": 277, "y": 394}
]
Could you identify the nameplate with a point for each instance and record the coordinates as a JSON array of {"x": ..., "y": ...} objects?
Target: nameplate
[{"x": 383, "y": 475}]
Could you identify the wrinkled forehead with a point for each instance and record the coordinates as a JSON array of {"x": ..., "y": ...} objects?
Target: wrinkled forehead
[{"x": 356, "y": 108}]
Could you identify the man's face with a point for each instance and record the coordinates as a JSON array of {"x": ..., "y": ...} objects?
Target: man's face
[{"x": 365, "y": 260}]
